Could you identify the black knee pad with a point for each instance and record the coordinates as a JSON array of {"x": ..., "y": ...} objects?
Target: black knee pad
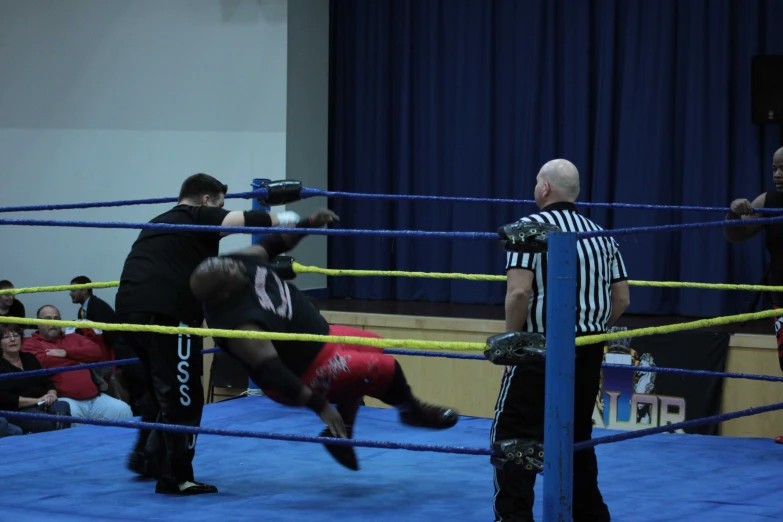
[{"x": 515, "y": 456}]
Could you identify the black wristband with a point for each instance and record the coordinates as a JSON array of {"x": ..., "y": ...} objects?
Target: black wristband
[
  {"x": 274, "y": 244},
  {"x": 257, "y": 218},
  {"x": 305, "y": 223},
  {"x": 316, "y": 403}
]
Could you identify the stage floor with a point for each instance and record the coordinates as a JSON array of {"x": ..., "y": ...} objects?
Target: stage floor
[{"x": 79, "y": 475}]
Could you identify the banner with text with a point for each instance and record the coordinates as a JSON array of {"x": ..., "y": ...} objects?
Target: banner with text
[{"x": 632, "y": 399}]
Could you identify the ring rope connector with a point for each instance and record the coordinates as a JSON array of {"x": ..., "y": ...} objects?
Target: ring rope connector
[
  {"x": 281, "y": 192},
  {"x": 283, "y": 266},
  {"x": 526, "y": 236},
  {"x": 516, "y": 456},
  {"x": 516, "y": 348}
]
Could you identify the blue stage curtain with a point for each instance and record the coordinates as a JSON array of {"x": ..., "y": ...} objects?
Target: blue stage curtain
[{"x": 650, "y": 100}]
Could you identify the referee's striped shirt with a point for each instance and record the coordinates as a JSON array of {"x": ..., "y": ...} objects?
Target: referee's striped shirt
[{"x": 600, "y": 264}]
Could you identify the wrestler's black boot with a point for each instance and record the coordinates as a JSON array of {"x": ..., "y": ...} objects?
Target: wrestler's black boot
[
  {"x": 345, "y": 455},
  {"x": 414, "y": 412},
  {"x": 422, "y": 415}
]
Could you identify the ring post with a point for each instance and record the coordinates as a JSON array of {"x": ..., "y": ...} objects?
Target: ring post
[
  {"x": 258, "y": 183},
  {"x": 253, "y": 388},
  {"x": 560, "y": 363}
]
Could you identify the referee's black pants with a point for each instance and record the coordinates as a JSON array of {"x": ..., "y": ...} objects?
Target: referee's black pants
[
  {"x": 519, "y": 414},
  {"x": 173, "y": 369}
]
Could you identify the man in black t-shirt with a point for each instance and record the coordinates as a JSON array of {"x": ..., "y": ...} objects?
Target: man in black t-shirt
[
  {"x": 242, "y": 291},
  {"x": 743, "y": 209},
  {"x": 154, "y": 290}
]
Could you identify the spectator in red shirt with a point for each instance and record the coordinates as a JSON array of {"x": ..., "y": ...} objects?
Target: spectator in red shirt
[{"x": 54, "y": 349}]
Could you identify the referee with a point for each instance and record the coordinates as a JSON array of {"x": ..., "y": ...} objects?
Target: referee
[
  {"x": 602, "y": 297},
  {"x": 155, "y": 290}
]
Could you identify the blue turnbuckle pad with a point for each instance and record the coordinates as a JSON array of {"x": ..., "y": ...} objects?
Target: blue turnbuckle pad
[
  {"x": 526, "y": 236},
  {"x": 515, "y": 348}
]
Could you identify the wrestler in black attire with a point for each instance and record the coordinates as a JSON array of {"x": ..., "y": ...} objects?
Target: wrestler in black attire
[
  {"x": 241, "y": 291},
  {"x": 288, "y": 311},
  {"x": 743, "y": 209},
  {"x": 154, "y": 290}
]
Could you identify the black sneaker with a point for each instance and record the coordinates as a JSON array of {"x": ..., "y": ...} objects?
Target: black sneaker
[
  {"x": 423, "y": 415},
  {"x": 194, "y": 488},
  {"x": 345, "y": 455}
]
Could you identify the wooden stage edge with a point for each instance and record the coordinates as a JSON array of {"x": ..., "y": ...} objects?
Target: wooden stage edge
[{"x": 472, "y": 388}]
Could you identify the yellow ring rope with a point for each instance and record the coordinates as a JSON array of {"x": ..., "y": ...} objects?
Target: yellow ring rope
[
  {"x": 304, "y": 269},
  {"x": 382, "y": 343},
  {"x": 243, "y": 334},
  {"x": 59, "y": 288}
]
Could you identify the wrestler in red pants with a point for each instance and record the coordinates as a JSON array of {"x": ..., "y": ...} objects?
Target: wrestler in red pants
[
  {"x": 242, "y": 291},
  {"x": 346, "y": 373}
]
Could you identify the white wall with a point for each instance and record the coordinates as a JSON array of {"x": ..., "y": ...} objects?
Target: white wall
[
  {"x": 121, "y": 99},
  {"x": 307, "y": 131}
]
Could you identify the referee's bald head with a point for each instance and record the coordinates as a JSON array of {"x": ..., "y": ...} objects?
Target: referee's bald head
[{"x": 563, "y": 178}]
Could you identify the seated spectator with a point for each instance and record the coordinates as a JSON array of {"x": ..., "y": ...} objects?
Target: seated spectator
[
  {"x": 10, "y": 306},
  {"x": 26, "y": 394},
  {"x": 93, "y": 308},
  {"x": 79, "y": 388},
  {"x": 7, "y": 429}
]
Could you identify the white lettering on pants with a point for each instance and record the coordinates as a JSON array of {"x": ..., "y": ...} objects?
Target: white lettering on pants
[{"x": 183, "y": 376}]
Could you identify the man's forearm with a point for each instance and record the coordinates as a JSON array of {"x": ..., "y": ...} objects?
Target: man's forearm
[
  {"x": 618, "y": 309},
  {"x": 616, "y": 314},
  {"x": 736, "y": 233},
  {"x": 516, "y": 312},
  {"x": 292, "y": 240}
]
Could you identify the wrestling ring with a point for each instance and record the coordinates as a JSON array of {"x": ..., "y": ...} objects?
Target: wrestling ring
[{"x": 420, "y": 476}]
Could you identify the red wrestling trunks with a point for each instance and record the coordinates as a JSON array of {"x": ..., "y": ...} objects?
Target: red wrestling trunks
[{"x": 347, "y": 372}]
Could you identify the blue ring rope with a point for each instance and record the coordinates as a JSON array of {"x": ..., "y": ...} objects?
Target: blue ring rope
[
  {"x": 122, "y": 203},
  {"x": 75, "y": 367},
  {"x": 461, "y": 450},
  {"x": 675, "y": 426},
  {"x": 388, "y": 445},
  {"x": 364, "y": 232},
  {"x": 681, "y": 226},
  {"x": 372, "y": 444},
  {"x": 310, "y": 192},
  {"x": 698, "y": 373},
  {"x": 249, "y": 230},
  {"x": 420, "y": 353},
  {"x": 378, "y": 444}
]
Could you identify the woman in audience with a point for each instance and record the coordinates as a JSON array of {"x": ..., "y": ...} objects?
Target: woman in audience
[
  {"x": 27, "y": 394},
  {"x": 10, "y": 306}
]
